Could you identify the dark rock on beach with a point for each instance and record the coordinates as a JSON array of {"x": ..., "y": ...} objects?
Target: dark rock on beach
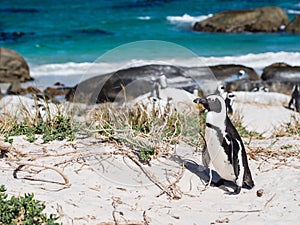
[
  {"x": 51, "y": 92},
  {"x": 133, "y": 82},
  {"x": 261, "y": 86},
  {"x": 294, "y": 25},
  {"x": 233, "y": 72},
  {"x": 266, "y": 19},
  {"x": 281, "y": 72},
  {"x": 236, "y": 77},
  {"x": 13, "y": 67},
  {"x": 16, "y": 89}
]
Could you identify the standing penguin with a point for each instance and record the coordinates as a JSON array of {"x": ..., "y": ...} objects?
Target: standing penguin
[
  {"x": 295, "y": 99},
  {"x": 224, "y": 145},
  {"x": 221, "y": 91},
  {"x": 230, "y": 97}
]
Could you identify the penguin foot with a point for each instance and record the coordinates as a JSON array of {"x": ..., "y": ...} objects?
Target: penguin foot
[
  {"x": 236, "y": 191},
  {"x": 220, "y": 183}
]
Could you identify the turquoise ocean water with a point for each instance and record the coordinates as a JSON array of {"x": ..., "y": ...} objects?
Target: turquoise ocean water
[{"x": 64, "y": 37}]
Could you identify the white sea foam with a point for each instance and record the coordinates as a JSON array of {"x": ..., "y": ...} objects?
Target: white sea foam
[
  {"x": 71, "y": 68},
  {"x": 87, "y": 70},
  {"x": 292, "y": 11},
  {"x": 186, "y": 20},
  {"x": 144, "y": 18}
]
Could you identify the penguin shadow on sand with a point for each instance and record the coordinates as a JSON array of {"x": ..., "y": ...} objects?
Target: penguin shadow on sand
[{"x": 203, "y": 173}]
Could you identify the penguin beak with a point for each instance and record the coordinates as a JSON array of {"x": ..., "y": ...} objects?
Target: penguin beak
[
  {"x": 200, "y": 101},
  {"x": 203, "y": 102}
]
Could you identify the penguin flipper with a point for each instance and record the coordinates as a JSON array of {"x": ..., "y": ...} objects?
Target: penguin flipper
[
  {"x": 247, "y": 180},
  {"x": 205, "y": 157}
]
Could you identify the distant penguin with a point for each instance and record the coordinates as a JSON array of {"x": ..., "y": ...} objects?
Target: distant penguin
[
  {"x": 158, "y": 84},
  {"x": 295, "y": 98},
  {"x": 224, "y": 145},
  {"x": 230, "y": 97},
  {"x": 221, "y": 91},
  {"x": 260, "y": 89},
  {"x": 241, "y": 74},
  {"x": 264, "y": 89}
]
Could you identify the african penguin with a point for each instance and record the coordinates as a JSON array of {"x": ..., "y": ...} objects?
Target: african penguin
[
  {"x": 260, "y": 89},
  {"x": 229, "y": 100},
  {"x": 224, "y": 145},
  {"x": 295, "y": 98},
  {"x": 221, "y": 91}
]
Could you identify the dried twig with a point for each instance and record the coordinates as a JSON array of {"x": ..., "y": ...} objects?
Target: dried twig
[
  {"x": 241, "y": 211},
  {"x": 66, "y": 180},
  {"x": 151, "y": 177},
  {"x": 269, "y": 200},
  {"x": 114, "y": 210}
]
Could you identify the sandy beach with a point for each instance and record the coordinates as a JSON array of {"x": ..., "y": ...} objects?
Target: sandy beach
[
  {"x": 97, "y": 118},
  {"x": 94, "y": 181}
]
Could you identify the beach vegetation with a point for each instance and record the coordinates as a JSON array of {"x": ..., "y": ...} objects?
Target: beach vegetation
[
  {"x": 51, "y": 126},
  {"x": 23, "y": 210},
  {"x": 237, "y": 121},
  {"x": 57, "y": 128},
  {"x": 147, "y": 131},
  {"x": 291, "y": 128}
]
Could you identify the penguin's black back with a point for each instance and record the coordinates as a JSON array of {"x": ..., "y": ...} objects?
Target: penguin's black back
[{"x": 234, "y": 137}]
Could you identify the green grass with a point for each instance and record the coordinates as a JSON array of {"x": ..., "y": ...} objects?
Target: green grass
[
  {"x": 291, "y": 128},
  {"x": 23, "y": 210},
  {"x": 237, "y": 122},
  {"x": 58, "y": 128},
  {"x": 50, "y": 127}
]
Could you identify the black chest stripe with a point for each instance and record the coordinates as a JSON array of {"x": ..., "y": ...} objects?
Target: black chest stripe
[
  {"x": 218, "y": 130},
  {"x": 228, "y": 147}
]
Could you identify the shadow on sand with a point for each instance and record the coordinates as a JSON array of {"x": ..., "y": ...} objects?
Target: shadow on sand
[{"x": 203, "y": 173}]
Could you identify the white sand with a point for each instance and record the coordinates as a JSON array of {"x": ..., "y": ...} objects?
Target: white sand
[
  {"x": 264, "y": 112},
  {"x": 112, "y": 189}
]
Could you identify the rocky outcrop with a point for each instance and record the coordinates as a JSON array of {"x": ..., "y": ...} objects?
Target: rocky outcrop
[
  {"x": 15, "y": 88},
  {"x": 266, "y": 19},
  {"x": 50, "y": 91},
  {"x": 130, "y": 83},
  {"x": 281, "y": 72},
  {"x": 294, "y": 25},
  {"x": 121, "y": 85},
  {"x": 261, "y": 86},
  {"x": 13, "y": 67},
  {"x": 233, "y": 72},
  {"x": 235, "y": 77}
]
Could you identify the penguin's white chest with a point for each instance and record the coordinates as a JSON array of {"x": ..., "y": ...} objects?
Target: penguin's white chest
[{"x": 218, "y": 156}]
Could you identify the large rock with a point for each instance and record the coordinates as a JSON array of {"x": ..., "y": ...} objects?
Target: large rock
[
  {"x": 266, "y": 19},
  {"x": 233, "y": 72},
  {"x": 281, "y": 72},
  {"x": 13, "y": 67},
  {"x": 130, "y": 83},
  {"x": 15, "y": 88},
  {"x": 294, "y": 25},
  {"x": 261, "y": 86}
]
